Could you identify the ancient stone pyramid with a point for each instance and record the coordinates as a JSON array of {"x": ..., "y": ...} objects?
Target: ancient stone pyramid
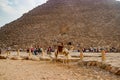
[{"x": 85, "y": 22}]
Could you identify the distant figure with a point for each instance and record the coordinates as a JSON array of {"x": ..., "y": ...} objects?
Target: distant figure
[
  {"x": 39, "y": 50},
  {"x": 49, "y": 50},
  {"x": 32, "y": 49},
  {"x": 35, "y": 51},
  {"x": 0, "y": 51},
  {"x": 8, "y": 50},
  {"x": 27, "y": 50},
  {"x": 60, "y": 47}
]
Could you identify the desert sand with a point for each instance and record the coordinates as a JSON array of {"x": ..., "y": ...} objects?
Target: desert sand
[{"x": 48, "y": 70}]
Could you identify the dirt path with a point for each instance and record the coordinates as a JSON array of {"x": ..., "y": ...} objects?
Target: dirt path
[{"x": 42, "y": 70}]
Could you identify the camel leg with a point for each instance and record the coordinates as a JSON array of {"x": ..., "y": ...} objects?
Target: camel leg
[
  {"x": 65, "y": 58},
  {"x": 56, "y": 55},
  {"x": 68, "y": 58}
]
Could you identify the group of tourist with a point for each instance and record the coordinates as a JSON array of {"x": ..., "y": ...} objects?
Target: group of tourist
[
  {"x": 38, "y": 51},
  {"x": 98, "y": 49},
  {"x": 35, "y": 51}
]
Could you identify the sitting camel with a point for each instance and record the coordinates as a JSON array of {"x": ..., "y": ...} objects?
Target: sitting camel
[{"x": 62, "y": 51}]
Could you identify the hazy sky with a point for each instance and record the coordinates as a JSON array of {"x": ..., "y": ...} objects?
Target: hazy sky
[{"x": 13, "y": 9}]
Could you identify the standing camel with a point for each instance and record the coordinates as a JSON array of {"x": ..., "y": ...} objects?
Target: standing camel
[{"x": 62, "y": 51}]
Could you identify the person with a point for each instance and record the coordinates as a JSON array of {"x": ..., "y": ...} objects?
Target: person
[
  {"x": 35, "y": 51},
  {"x": 32, "y": 49},
  {"x": 27, "y": 50},
  {"x": 60, "y": 47},
  {"x": 0, "y": 51},
  {"x": 49, "y": 50},
  {"x": 8, "y": 50},
  {"x": 39, "y": 50}
]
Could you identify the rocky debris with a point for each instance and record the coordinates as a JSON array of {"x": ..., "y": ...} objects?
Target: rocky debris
[
  {"x": 33, "y": 58},
  {"x": 118, "y": 72},
  {"x": 102, "y": 65},
  {"x": 15, "y": 58},
  {"x": 25, "y": 57},
  {"x": 108, "y": 67},
  {"x": 2, "y": 57},
  {"x": 114, "y": 69}
]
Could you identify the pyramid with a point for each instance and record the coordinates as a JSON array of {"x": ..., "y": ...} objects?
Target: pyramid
[{"x": 85, "y": 22}]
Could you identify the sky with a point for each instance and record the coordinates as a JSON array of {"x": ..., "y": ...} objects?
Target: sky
[{"x": 10, "y": 10}]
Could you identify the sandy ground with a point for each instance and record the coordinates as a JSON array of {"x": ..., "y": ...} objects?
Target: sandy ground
[
  {"x": 111, "y": 58},
  {"x": 46, "y": 70}
]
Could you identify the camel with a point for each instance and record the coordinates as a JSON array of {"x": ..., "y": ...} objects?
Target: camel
[{"x": 62, "y": 51}]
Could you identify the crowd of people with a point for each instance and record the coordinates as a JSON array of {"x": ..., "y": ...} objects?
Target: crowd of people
[
  {"x": 38, "y": 50},
  {"x": 98, "y": 49},
  {"x": 35, "y": 51},
  {"x": 49, "y": 50}
]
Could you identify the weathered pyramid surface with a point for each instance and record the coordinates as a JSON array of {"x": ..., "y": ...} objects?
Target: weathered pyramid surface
[{"x": 87, "y": 22}]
